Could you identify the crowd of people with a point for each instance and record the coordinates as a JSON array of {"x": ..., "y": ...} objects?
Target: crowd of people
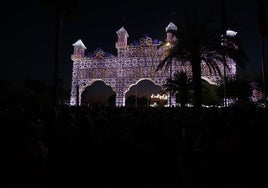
[{"x": 134, "y": 147}]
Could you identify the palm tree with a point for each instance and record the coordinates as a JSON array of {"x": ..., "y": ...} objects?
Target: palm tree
[
  {"x": 199, "y": 43},
  {"x": 258, "y": 79},
  {"x": 180, "y": 85},
  {"x": 238, "y": 90},
  {"x": 210, "y": 94},
  {"x": 62, "y": 9}
]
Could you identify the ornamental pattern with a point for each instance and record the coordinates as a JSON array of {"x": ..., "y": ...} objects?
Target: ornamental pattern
[{"x": 133, "y": 63}]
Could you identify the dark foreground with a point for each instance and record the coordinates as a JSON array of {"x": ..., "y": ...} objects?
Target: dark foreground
[{"x": 134, "y": 147}]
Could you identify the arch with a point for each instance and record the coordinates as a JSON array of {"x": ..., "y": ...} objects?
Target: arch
[
  {"x": 96, "y": 92},
  {"x": 134, "y": 62},
  {"x": 141, "y": 79},
  {"x": 90, "y": 82}
]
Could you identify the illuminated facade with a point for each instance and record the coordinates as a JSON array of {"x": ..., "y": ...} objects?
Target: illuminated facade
[{"x": 134, "y": 62}]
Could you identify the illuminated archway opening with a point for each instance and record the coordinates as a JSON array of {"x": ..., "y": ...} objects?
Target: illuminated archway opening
[
  {"x": 98, "y": 93},
  {"x": 139, "y": 94}
]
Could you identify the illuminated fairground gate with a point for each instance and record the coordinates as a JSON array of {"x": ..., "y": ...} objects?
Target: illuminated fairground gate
[{"x": 134, "y": 62}]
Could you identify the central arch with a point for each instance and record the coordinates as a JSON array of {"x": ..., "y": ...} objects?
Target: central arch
[
  {"x": 143, "y": 89},
  {"x": 142, "y": 79}
]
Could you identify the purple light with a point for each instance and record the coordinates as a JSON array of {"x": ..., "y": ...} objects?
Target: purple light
[{"x": 132, "y": 64}]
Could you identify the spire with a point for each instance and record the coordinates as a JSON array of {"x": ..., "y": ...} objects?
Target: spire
[
  {"x": 171, "y": 27},
  {"x": 122, "y": 31},
  {"x": 230, "y": 33},
  {"x": 79, "y": 43},
  {"x": 171, "y": 30},
  {"x": 121, "y": 44}
]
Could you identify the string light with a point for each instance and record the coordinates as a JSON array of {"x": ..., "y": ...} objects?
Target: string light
[{"x": 133, "y": 63}]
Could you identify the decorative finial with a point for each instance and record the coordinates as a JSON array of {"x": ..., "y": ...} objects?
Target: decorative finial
[
  {"x": 171, "y": 27},
  {"x": 79, "y": 43}
]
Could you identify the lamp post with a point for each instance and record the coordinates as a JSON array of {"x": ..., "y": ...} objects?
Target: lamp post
[
  {"x": 168, "y": 45},
  {"x": 263, "y": 72},
  {"x": 136, "y": 93},
  {"x": 223, "y": 43},
  {"x": 77, "y": 85},
  {"x": 170, "y": 77}
]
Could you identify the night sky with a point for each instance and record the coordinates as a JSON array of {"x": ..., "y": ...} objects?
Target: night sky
[{"x": 27, "y": 32}]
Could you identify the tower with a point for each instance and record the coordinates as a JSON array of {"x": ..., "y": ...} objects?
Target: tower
[
  {"x": 79, "y": 50},
  {"x": 78, "y": 54},
  {"x": 171, "y": 29},
  {"x": 121, "y": 44}
]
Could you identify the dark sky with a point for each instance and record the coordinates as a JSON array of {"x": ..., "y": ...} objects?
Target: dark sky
[{"x": 27, "y": 31}]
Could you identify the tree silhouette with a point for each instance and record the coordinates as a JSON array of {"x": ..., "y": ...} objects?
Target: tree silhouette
[
  {"x": 238, "y": 89},
  {"x": 263, "y": 30},
  {"x": 180, "y": 85},
  {"x": 258, "y": 79},
  {"x": 200, "y": 42},
  {"x": 62, "y": 9}
]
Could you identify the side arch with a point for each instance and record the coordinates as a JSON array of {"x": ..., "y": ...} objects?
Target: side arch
[{"x": 83, "y": 84}]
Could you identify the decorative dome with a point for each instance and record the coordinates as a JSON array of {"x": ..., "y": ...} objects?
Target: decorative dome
[
  {"x": 122, "y": 31},
  {"x": 171, "y": 26},
  {"x": 230, "y": 33},
  {"x": 79, "y": 43}
]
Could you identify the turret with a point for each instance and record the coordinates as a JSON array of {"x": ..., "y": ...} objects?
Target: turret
[
  {"x": 79, "y": 50},
  {"x": 171, "y": 29},
  {"x": 121, "y": 44},
  {"x": 227, "y": 38}
]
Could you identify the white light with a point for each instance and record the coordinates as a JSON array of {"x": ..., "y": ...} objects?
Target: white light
[
  {"x": 171, "y": 26},
  {"x": 80, "y": 44},
  {"x": 158, "y": 96},
  {"x": 133, "y": 63},
  {"x": 231, "y": 33}
]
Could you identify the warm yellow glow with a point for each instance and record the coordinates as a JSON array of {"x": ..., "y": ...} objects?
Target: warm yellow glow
[
  {"x": 158, "y": 96},
  {"x": 167, "y": 44}
]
